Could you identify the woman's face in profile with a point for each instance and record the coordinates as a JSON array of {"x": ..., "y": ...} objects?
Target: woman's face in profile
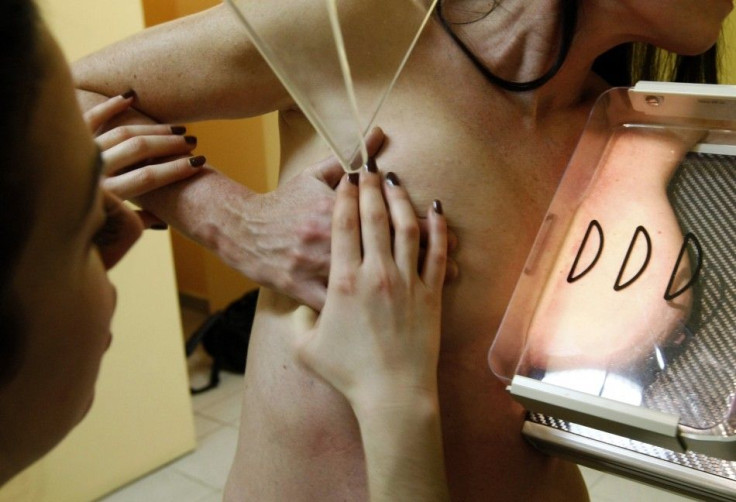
[{"x": 67, "y": 301}]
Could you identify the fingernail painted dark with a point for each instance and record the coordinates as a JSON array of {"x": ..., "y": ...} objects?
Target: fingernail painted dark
[
  {"x": 191, "y": 140},
  {"x": 392, "y": 179},
  {"x": 129, "y": 94},
  {"x": 177, "y": 129},
  {"x": 354, "y": 178},
  {"x": 371, "y": 166},
  {"x": 437, "y": 206},
  {"x": 197, "y": 161}
]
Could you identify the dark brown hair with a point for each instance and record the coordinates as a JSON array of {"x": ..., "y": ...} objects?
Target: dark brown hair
[
  {"x": 628, "y": 63},
  {"x": 20, "y": 76}
]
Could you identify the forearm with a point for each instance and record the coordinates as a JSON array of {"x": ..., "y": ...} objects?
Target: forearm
[
  {"x": 403, "y": 450},
  {"x": 208, "y": 208},
  {"x": 197, "y": 67}
]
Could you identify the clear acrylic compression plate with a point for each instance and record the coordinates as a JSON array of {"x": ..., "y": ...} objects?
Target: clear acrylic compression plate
[
  {"x": 624, "y": 318},
  {"x": 338, "y": 59}
]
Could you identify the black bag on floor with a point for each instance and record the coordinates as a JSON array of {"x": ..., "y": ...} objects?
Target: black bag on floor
[{"x": 225, "y": 336}]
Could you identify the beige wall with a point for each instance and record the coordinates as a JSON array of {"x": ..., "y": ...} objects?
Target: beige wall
[
  {"x": 728, "y": 51},
  {"x": 246, "y": 150},
  {"x": 142, "y": 416}
]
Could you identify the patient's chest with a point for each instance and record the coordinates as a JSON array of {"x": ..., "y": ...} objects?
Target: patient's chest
[
  {"x": 454, "y": 137},
  {"x": 450, "y": 136}
]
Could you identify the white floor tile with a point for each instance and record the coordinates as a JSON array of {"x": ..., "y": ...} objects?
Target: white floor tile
[
  {"x": 612, "y": 488},
  {"x": 227, "y": 410},
  {"x": 229, "y": 385},
  {"x": 211, "y": 461},
  {"x": 165, "y": 485},
  {"x": 205, "y": 425},
  {"x": 214, "y": 497}
]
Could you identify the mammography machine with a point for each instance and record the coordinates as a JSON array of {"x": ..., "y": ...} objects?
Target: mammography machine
[
  {"x": 619, "y": 338},
  {"x": 620, "y": 335}
]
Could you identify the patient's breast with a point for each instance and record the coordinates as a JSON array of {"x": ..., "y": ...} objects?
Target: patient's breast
[{"x": 619, "y": 287}]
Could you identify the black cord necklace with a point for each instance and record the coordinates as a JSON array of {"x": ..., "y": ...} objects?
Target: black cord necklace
[{"x": 569, "y": 18}]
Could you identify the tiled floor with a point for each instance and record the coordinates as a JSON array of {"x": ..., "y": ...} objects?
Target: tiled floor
[{"x": 200, "y": 476}]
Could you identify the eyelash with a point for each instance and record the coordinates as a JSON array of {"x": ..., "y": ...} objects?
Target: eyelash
[{"x": 110, "y": 229}]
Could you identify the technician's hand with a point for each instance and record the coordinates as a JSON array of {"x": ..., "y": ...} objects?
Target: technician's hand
[
  {"x": 285, "y": 241},
  {"x": 284, "y": 236},
  {"x": 141, "y": 158},
  {"x": 377, "y": 339}
]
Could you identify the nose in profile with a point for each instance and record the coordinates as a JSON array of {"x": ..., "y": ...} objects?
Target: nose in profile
[{"x": 125, "y": 229}]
